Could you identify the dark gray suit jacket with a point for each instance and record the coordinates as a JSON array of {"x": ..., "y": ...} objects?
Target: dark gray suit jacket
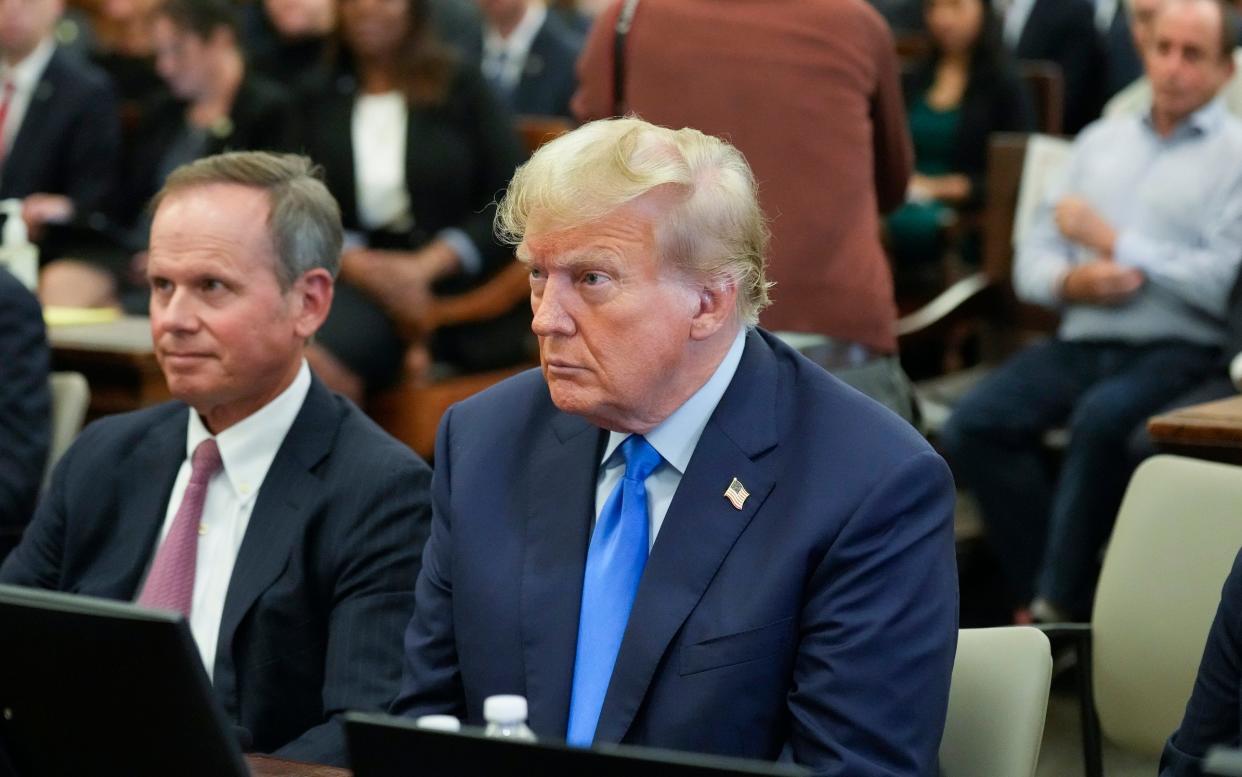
[
  {"x": 25, "y": 403},
  {"x": 323, "y": 583},
  {"x": 69, "y": 141},
  {"x": 548, "y": 78}
]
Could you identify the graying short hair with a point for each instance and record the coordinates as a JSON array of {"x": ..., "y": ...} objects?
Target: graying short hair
[
  {"x": 304, "y": 220},
  {"x": 715, "y": 231}
]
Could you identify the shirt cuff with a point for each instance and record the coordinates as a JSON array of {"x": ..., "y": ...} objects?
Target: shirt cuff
[
  {"x": 1235, "y": 371},
  {"x": 467, "y": 253},
  {"x": 1040, "y": 283},
  {"x": 1133, "y": 250}
]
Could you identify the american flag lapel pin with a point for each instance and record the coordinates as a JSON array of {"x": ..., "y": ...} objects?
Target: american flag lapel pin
[{"x": 736, "y": 493}]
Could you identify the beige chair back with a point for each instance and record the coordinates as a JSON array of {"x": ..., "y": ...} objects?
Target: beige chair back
[
  {"x": 1178, "y": 530},
  {"x": 70, "y": 397},
  {"x": 997, "y": 702}
]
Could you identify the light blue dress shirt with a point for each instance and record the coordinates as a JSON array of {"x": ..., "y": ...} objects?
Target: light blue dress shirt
[
  {"x": 1176, "y": 204},
  {"x": 674, "y": 439}
]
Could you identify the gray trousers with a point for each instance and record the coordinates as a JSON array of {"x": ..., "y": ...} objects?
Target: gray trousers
[{"x": 878, "y": 376}]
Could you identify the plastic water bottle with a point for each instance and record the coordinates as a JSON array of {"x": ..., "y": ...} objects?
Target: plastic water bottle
[
  {"x": 439, "y": 723},
  {"x": 506, "y": 718},
  {"x": 17, "y": 253}
]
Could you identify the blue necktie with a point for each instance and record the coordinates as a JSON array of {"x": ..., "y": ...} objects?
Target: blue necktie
[{"x": 614, "y": 566}]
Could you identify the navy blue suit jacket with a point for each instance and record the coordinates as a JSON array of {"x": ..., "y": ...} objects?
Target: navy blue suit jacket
[
  {"x": 549, "y": 78},
  {"x": 1063, "y": 31},
  {"x": 822, "y": 615},
  {"x": 323, "y": 583},
  {"x": 25, "y": 403},
  {"x": 1214, "y": 712}
]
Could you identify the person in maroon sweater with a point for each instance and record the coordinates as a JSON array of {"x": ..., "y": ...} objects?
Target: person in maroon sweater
[{"x": 809, "y": 91}]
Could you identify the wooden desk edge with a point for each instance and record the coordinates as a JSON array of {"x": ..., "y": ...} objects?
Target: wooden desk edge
[
  {"x": 269, "y": 766},
  {"x": 1212, "y": 430}
]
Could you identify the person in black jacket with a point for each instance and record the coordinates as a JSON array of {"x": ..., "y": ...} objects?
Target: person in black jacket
[
  {"x": 415, "y": 149},
  {"x": 967, "y": 89},
  {"x": 59, "y": 132},
  {"x": 1064, "y": 32},
  {"x": 25, "y": 404},
  {"x": 214, "y": 104}
]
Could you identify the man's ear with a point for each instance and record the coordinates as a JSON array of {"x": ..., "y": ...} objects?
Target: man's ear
[
  {"x": 717, "y": 306},
  {"x": 312, "y": 300}
]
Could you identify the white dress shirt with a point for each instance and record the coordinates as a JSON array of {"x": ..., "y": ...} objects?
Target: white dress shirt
[
  {"x": 380, "y": 122},
  {"x": 504, "y": 59},
  {"x": 247, "y": 450},
  {"x": 674, "y": 439},
  {"x": 25, "y": 77},
  {"x": 380, "y": 126}
]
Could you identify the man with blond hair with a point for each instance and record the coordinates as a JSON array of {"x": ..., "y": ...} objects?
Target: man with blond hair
[
  {"x": 678, "y": 532},
  {"x": 280, "y": 521}
]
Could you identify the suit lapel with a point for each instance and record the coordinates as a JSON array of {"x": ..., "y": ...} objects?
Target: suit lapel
[
  {"x": 140, "y": 511},
  {"x": 534, "y": 70},
  {"x": 283, "y": 506},
  {"x": 700, "y": 528},
  {"x": 29, "y": 142},
  {"x": 561, "y": 504},
  {"x": 335, "y": 118}
]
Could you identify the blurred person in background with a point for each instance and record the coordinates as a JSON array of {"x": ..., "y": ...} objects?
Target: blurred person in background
[
  {"x": 1136, "y": 97},
  {"x": 287, "y": 40},
  {"x": 1063, "y": 32},
  {"x": 59, "y": 132},
  {"x": 1136, "y": 248},
  {"x": 416, "y": 149},
  {"x": 964, "y": 91},
  {"x": 527, "y": 54},
  {"x": 214, "y": 104},
  {"x": 25, "y": 404},
  {"x": 810, "y": 92}
]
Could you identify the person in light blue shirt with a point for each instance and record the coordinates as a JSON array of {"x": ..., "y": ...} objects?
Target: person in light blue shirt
[{"x": 1137, "y": 250}]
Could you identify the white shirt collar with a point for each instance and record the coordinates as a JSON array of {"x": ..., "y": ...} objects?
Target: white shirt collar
[
  {"x": 519, "y": 41},
  {"x": 678, "y": 435},
  {"x": 26, "y": 74},
  {"x": 249, "y": 446}
]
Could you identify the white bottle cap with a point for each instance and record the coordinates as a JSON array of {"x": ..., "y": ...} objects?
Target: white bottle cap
[
  {"x": 14, "y": 225},
  {"x": 504, "y": 709},
  {"x": 439, "y": 723}
]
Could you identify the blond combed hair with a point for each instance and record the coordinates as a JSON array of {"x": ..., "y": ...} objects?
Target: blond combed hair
[
  {"x": 715, "y": 231},
  {"x": 303, "y": 219}
]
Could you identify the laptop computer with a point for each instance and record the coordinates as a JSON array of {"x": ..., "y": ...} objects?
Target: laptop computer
[
  {"x": 91, "y": 686},
  {"x": 386, "y": 746}
]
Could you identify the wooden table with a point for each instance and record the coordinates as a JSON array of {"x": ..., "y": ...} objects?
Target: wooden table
[
  {"x": 267, "y": 766},
  {"x": 117, "y": 359},
  {"x": 1212, "y": 430}
]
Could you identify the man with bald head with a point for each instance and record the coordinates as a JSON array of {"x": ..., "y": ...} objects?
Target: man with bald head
[
  {"x": 1137, "y": 249},
  {"x": 1136, "y": 97},
  {"x": 679, "y": 532}
]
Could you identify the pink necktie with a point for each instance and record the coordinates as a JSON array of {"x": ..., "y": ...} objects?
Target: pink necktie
[{"x": 170, "y": 584}]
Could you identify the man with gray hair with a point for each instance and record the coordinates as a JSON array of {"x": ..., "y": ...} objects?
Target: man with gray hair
[
  {"x": 274, "y": 515},
  {"x": 678, "y": 532}
]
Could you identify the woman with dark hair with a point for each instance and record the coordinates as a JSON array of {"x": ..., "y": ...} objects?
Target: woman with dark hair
[
  {"x": 967, "y": 89},
  {"x": 415, "y": 150}
]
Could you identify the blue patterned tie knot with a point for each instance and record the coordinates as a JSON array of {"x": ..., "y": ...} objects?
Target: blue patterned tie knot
[{"x": 614, "y": 567}]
